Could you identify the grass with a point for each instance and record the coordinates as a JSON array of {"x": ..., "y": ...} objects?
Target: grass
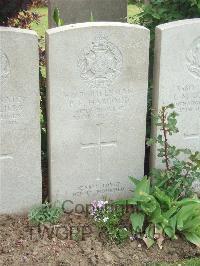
[{"x": 43, "y": 25}]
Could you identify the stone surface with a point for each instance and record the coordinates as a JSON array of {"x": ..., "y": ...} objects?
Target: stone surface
[
  {"x": 77, "y": 11},
  {"x": 177, "y": 80},
  {"x": 20, "y": 171},
  {"x": 97, "y": 89}
]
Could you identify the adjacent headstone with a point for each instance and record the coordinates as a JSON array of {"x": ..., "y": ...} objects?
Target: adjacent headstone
[
  {"x": 77, "y": 11},
  {"x": 97, "y": 90},
  {"x": 20, "y": 170},
  {"x": 177, "y": 80}
]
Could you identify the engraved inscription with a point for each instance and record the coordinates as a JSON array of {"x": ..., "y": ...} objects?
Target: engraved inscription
[
  {"x": 98, "y": 103},
  {"x": 193, "y": 58},
  {"x": 99, "y": 145},
  {"x": 100, "y": 189},
  {"x": 100, "y": 63},
  {"x": 187, "y": 103},
  {"x": 4, "y": 68},
  {"x": 187, "y": 98},
  {"x": 11, "y": 109}
]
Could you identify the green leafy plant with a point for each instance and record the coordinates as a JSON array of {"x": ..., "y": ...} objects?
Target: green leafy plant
[
  {"x": 162, "y": 204},
  {"x": 46, "y": 213},
  {"x": 163, "y": 11},
  {"x": 179, "y": 174},
  {"x": 156, "y": 215},
  {"x": 56, "y": 17},
  {"x": 108, "y": 220}
]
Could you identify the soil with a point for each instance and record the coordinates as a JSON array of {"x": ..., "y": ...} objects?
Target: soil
[{"x": 21, "y": 244}]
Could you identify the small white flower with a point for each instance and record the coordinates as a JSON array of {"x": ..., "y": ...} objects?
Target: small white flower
[
  {"x": 125, "y": 229},
  {"x": 105, "y": 219}
]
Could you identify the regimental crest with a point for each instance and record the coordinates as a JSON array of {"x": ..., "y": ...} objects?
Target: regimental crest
[
  {"x": 4, "y": 68},
  {"x": 193, "y": 58},
  {"x": 100, "y": 63}
]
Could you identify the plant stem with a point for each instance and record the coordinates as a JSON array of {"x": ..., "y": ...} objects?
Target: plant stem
[{"x": 163, "y": 118}]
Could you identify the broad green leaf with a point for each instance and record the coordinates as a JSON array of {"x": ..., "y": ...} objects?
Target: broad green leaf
[
  {"x": 149, "y": 236},
  {"x": 185, "y": 202},
  {"x": 134, "y": 180},
  {"x": 56, "y": 17},
  {"x": 170, "y": 212},
  {"x": 156, "y": 216},
  {"x": 132, "y": 201},
  {"x": 162, "y": 197},
  {"x": 149, "y": 231},
  {"x": 192, "y": 224},
  {"x": 121, "y": 202},
  {"x": 147, "y": 203},
  {"x": 187, "y": 212},
  {"x": 193, "y": 238},
  {"x": 170, "y": 229},
  {"x": 137, "y": 221},
  {"x": 143, "y": 186}
]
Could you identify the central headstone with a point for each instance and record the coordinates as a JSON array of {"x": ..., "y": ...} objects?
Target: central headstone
[
  {"x": 77, "y": 11},
  {"x": 97, "y": 78},
  {"x": 20, "y": 145}
]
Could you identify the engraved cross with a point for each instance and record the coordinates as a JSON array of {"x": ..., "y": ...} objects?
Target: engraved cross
[{"x": 99, "y": 145}]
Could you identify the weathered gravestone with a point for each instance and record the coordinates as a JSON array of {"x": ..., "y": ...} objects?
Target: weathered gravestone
[
  {"x": 20, "y": 171},
  {"x": 177, "y": 80},
  {"x": 76, "y": 11},
  {"x": 97, "y": 78}
]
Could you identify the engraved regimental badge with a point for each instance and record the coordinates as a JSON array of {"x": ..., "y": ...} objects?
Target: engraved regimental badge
[
  {"x": 100, "y": 63},
  {"x": 4, "y": 68},
  {"x": 193, "y": 58}
]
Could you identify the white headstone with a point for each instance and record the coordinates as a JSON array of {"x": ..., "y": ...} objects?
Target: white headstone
[
  {"x": 78, "y": 11},
  {"x": 177, "y": 80},
  {"x": 97, "y": 90},
  {"x": 20, "y": 170}
]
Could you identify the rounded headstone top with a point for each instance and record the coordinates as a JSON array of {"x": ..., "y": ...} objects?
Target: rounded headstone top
[
  {"x": 178, "y": 23},
  {"x": 17, "y": 30},
  {"x": 94, "y": 24}
]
